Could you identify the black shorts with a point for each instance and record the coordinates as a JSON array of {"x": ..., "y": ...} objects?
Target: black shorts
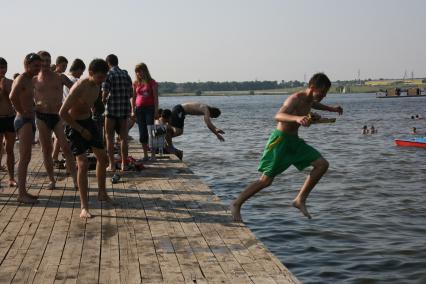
[
  {"x": 178, "y": 117},
  {"x": 7, "y": 124},
  {"x": 79, "y": 145}
]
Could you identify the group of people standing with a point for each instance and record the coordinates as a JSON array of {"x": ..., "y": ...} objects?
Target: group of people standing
[{"x": 77, "y": 111}]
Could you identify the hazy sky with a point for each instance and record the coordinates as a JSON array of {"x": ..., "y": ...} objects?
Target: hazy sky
[{"x": 225, "y": 40}]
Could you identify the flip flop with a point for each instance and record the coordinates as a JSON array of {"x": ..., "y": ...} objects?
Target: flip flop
[{"x": 115, "y": 178}]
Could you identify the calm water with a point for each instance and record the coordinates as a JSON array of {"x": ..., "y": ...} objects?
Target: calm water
[{"x": 369, "y": 211}]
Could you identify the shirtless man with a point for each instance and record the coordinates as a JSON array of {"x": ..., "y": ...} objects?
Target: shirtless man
[
  {"x": 48, "y": 95},
  {"x": 83, "y": 133},
  {"x": 61, "y": 64},
  {"x": 178, "y": 120},
  {"x": 285, "y": 148},
  {"x": 7, "y": 117},
  {"x": 22, "y": 98},
  {"x": 76, "y": 70}
]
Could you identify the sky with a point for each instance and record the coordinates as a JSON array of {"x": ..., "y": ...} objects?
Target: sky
[{"x": 225, "y": 40}]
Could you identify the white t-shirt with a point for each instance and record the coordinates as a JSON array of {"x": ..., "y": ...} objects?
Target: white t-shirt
[{"x": 66, "y": 90}]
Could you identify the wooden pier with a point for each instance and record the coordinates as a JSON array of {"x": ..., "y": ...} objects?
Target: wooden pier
[{"x": 167, "y": 227}]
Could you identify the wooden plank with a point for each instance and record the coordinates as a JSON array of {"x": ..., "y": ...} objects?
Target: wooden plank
[{"x": 168, "y": 227}]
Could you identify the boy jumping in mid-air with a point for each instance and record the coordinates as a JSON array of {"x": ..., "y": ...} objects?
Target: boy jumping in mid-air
[{"x": 285, "y": 148}]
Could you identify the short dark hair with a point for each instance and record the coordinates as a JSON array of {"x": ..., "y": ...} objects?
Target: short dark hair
[
  {"x": 98, "y": 66},
  {"x": 319, "y": 81},
  {"x": 166, "y": 114},
  {"x": 43, "y": 53},
  {"x": 112, "y": 60},
  {"x": 3, "y": 61},
  {"x": 77, "y": 64},
  {"x": 214, "y": 112},
  {"x": 61, "y": 59},
  {"x": 30, "y": 58}
]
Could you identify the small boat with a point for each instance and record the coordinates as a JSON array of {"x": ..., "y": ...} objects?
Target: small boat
[{"x": 419, "y": 142}]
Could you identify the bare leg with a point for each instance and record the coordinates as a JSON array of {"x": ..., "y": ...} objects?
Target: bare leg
[
  {"x": 109, "y": 133},
  {"x": 56, "y": 149},
  {"x": 124, "y": 133},
  {"x": 45, "y": 137},
  {"x": 10, "y": 143},
  {"x": 26, "y": 137},
  {"x": 249, "y": 191},
  {"x": 1, "y": 150},
  {"x": 320, "y": 167},
  {"x": 69, "y": 157},
  {"x": 101, "y": 157},
  {"x": 173, "y": 132},
  {"x": 83, "y": 185}
]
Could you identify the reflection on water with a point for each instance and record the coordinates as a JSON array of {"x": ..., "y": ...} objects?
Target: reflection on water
[{"x": 368, "y": 212}]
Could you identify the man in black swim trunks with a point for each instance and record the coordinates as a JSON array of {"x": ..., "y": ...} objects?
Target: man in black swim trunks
[
  {"x": 83, "y": 133},
  {"x": 178, "y": 121},
  {"x": 7, "y": 117},
  {"x": 22, "y": 98},
  {"x": 48, "y": 99}
]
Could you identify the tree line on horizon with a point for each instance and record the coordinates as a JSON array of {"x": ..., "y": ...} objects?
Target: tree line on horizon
[{"x": 210, "y": 86}]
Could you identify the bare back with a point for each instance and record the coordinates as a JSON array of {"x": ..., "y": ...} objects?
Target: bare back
[
  {"x": 48, "y": 95},
  {"x": 83, "y": 95},
  {"x": 194, "y": 108},
  {"x": 6, "y": 108},
  {"x": 298, "y": 104}
]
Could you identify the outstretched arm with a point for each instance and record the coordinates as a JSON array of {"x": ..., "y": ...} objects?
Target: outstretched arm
[
  {"x": 218, "y": 132},
  {"x": 320, "y": 106}
]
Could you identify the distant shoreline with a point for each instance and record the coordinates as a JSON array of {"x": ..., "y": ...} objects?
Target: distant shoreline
[{"x": 354, "y": 89}]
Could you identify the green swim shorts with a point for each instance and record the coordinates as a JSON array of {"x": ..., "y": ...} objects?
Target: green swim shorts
[{"x": 284, "y": 150}]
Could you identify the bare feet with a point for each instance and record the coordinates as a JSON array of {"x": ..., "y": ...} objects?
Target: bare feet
[
  {"x": 85, "y": 213},
  {"x": 12, "y": 183},
  {"x": 235, "y": 210},
  {"x": 51, "y": 186},
  {"x": 109, "y": 169},
  {"x": 26, "y": 199},
  {"x": 302, "y": 207}
]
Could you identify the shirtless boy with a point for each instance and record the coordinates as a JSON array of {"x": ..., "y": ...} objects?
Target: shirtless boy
[
  {"x": 83, "y": 133},
  {"x": 193, "y": 108},
  {"x": 7, "y": 117},
  {"x": 285, "y": 148},
  {"x": 22, "y": 98},
  {"x": 48, "y": 87}
]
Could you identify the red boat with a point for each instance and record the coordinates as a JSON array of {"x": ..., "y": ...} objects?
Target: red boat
[{"x": 411, "y": 142}]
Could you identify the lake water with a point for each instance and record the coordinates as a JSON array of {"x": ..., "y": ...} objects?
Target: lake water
[{"x": 369, "y": 210}]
